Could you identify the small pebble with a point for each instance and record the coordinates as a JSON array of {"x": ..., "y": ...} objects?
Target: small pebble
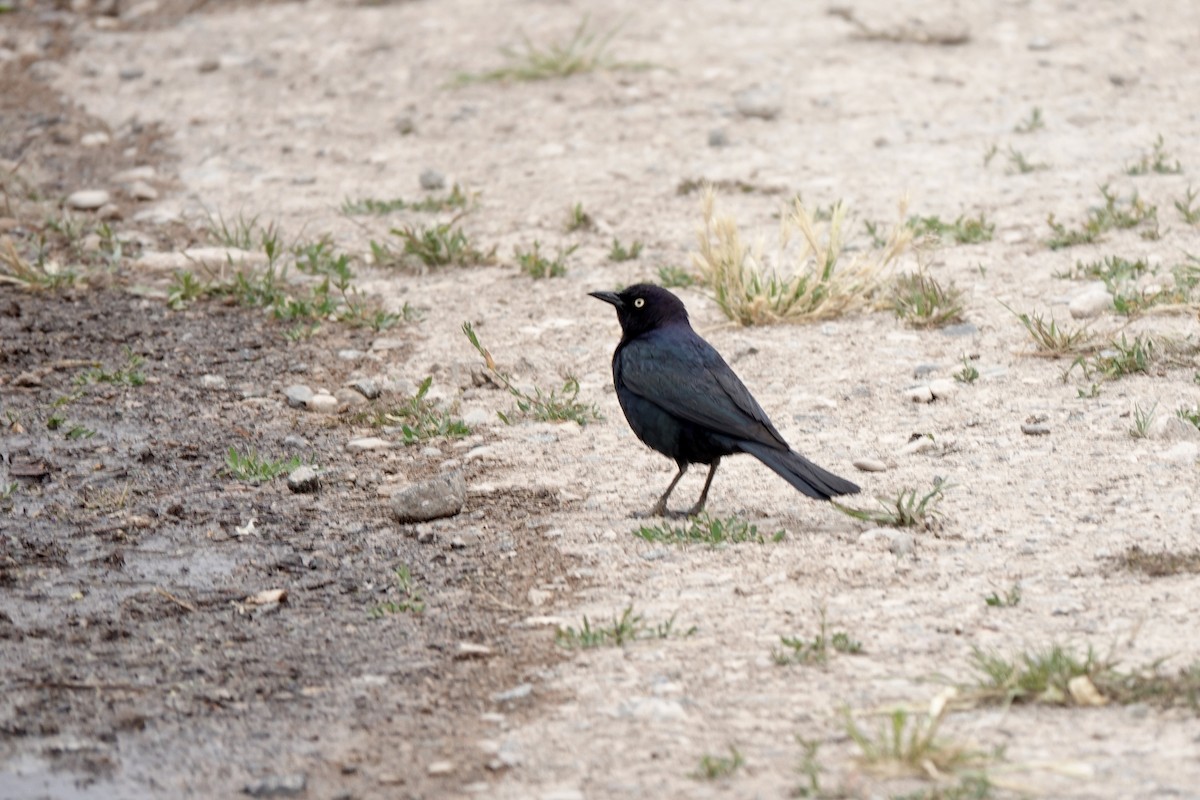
[
  {"x": 900, "y": 542},
  {"x": 440, "y": 768},
  {"x": 759, "y": 102},
  {"x": 366, "y": 443},
  {"x": 94, "y": 139},
  {"x": 919, "y": 394},
  {"x": 717, "y": 138},
  {"x": 519, "y": 692},
  {"x": 1035, "y": 428},
  {"x": 140, "y": 190},
  {"x": 323, "y": 403},
  {"x": 298, "y": 395},
  {"x": 88, "y": 199},
  {"x": 304, "y": 480},
  {"x": 870, "y": 465},
  {"x": 943, "y": 388},
  {"x": 366, "y": 387},
  {"x": 277, "y": 786},
  {"x": 1091, "y": 302},
  {"x": 208, "y": 65},
  {"x": 431, "y": 179},
  {"x": 131, "y": 73},
  {"x": 405, "y": 125},
  {"x": 213, "y": 382},
  {"x": 443, "y": 496},
  {"x": 109, "y": 211},
  {"x": 918, "y": 445}
]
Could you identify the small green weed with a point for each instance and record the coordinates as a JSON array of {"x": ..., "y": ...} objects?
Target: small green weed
[
  {"x": 1187, "y": 209},
  {"x": 1007, "y": 600},
  {"x": 536, "y": 265},
  {"x": 1018, "y": 164},
  {"x": 619, "y": 252},
  {"x": 1191, "y": 415},
  {"x": 796, "y": 650},
  {"x": 585, "y": 51},
  {"x": 626, "y": 629},
  {"x": 989, "y": 154},
  {"x": 1033, "y": 676},
  {"x": 128, "y": 375},
  {"x": 1112, "y": 216},
  {"x": 903, "y": 511},
  {"x": 458, "y": 198},
  {"x": 418, "y": 418},
  {"x": 185, "y": 289},
  {"x": 716, "y": 767},
  {"x": 410, "y": 600},
  {"x": 964, "y": 230},
  {"x": 1142, "y": 420},
  {"x": 922, "y": 302},
  {"x": 250, "y": 467},
  {"x": 552, "y": 406},
  {"x": 907, "y": 743},
  {"x": 579, "y": 220},
  {"x": 1157, "y": 161},
  {"x": 673, "y": 277},
  {"x": 1120, "y": 358},
  {"x": 440, "y": 245},
  {"x": 704, "y": 529},
  {"x": 968, "y": 374},
  {"x": 1051, "y": 340},
  {"x": 1034, "y": 122}
]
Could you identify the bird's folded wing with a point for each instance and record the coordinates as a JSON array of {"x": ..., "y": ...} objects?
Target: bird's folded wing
[{"x": 694, "y": 383}]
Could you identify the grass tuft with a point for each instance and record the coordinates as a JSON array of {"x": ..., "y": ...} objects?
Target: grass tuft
[
  {"x": 964, "y": 230},
  {"x": 1157, "y": 161},
  {"x": 619, "y": 252},
  {"x": 440, "y": 245},
  {"x": 716, "y": 767},
  {"x": 417, "y": 418},
  {"x": 797, "y": 650},
  {"x": 906, "y": 743},
  {"x": 536, "y": 265},
  {"x": 902, "y": 511},
  {"x": 1113, "y": 215},
  {"x": 251, "y": 467},
  {"x": 586, "y": 51},
  {"x": 922, "y": 302},
  {"x": 817, "y": 285},
  {"x": 1052, "y": 341},
  {"x": 410, "y": 600}
]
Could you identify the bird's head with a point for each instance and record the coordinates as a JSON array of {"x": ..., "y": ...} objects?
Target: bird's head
[{"x": 644, "y": 307}]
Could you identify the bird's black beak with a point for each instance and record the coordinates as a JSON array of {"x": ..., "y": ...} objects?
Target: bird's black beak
[{"x": 609, "y": 297}]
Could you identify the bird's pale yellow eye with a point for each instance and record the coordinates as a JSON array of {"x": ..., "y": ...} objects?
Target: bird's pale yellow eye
[{"x": 639, "y": 303}]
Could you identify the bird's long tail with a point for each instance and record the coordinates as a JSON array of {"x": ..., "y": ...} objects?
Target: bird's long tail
[{"x": 800, "y": 472}]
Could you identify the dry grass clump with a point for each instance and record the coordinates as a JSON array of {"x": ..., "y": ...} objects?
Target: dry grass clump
[{"x": 813, "y": 281}]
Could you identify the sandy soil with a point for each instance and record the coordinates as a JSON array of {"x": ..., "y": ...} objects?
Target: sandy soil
[{"x": 304, "y": 108}]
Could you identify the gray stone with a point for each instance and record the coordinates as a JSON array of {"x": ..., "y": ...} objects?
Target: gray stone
[
  {"x": 1035, "y": 428},
  {"x": 431, "y": 179},
  {"x": 277, "y": 786},
  {"x": 140, "y": 190},
  {"x": 109, "y": 211},
  {"x": 900, "y": 542},
  {"x": 95, "y": 139},
  {"x": 294, "y": 442},
  {"x": 365, "y": 443},
  {"x": 213, "y": 381},
  {"x": 348, "y": 398},
  {"x": 366, "y": 387},
  {"x": 961, "y": 329},
  {"x": 761, "y": 102},
  {"x": 143, "y": 173},
  {"x": 717, "y": 138},
  {"x": 323, "y": 403},
  {"x": 443, "y": 496},
  {"x": 131, "y": 73},
  {"x": 304, "y": 480},
  {"x": 943, "y": 388},
  {"x": 298, "y": 395},
  {"x": 87, "y": 199},
  {"x": 921, "y": 370},
  {"x": 405, "y": 125},
  {"x": 1173, "y": 429}
]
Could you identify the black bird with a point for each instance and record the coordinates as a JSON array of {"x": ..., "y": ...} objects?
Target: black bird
[{"x": 684, "y": 401}]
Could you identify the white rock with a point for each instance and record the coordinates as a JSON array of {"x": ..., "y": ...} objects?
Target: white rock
[
  {"x": 135, "y": 174},
  {"x": 440, "y": 768},
  {"x": 920, "y": 445},
  {"x": 213, "y": 381},
  {"x": 1171, "y": 428},
  {"x": 1091, "y": 302},
  {"x": 366, "y": 443},
  {"x": 88, "y": 199},
  {"x": 140, "y": 190},
  {"x": 95, "y": 139},
  {"x": 870, "y": 465},
  {"x": 323, "y": 403},
  {"x": 763, "y": 102},
  {"x": 943, "y": 388}
]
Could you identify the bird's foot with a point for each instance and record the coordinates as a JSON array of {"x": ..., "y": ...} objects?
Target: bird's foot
[
  {"x": 661, "y": 510},
  {"x": 695, "y": 510}
]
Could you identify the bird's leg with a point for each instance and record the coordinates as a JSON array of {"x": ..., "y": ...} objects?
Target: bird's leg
[
  {"x": 712, "y": 470},
  {"x": 660, "y": 508}
]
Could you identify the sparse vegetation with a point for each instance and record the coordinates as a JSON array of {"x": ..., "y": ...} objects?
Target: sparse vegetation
[
  {"x": 1010, "y": 598},
  {"x": 902, "y": 511},
  {"x": 250, "y": 466},
  {"x": 128, "y": 375},
  {"x": 1018, "y": 164},
  {"x": 1120, "y": 358},
  {"x": 409, "y": 596},
  {"x": 456, "y": 199},
  {"x": 41, "y": 273},
  {"x": 586, "y": 51},
  {"x": 536, "y": 265},
  {"x": 907, "y": 744},
  {"x": 1191, "y": 415},
  {"x": 673, "y": 277},
  {"x": 1186, "y": 207},
  {"x": 626, "y": 629},
  {"x": 443, "y": 244},
  {"x": 818, "y": 284},
  {"x": 1142, "y": 419},
  {"x": 968, "y": 373},
  {"x": 1034, "y": 122},
  {"x": 704, "y": 529},
  {"x": 579, "y": 220},
  {"x": 1157, "y": 161},
  {"x": 1159, "y": 563},
  {"x": 418, "y": 418},
  {"x": 964, "y": 230},
  {"x": 619, "y": 252},
  {"x": 922, "y": 302},
  {"x": 1114, "y": 215},
  {"x": 1052, "y": 341},
  {"x": 1121, "y": 276},
  {"x": 716, "y": 767},
  {"x": 797, "y": 650},
  {"x": 552, "y": 406}
]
